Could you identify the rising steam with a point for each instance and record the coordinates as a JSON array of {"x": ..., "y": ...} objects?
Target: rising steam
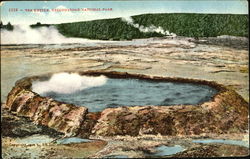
[
  {"x": 24, "y": 34},
  {"x": 66, "y": 83},
  {"x": 151, "y": 28}
]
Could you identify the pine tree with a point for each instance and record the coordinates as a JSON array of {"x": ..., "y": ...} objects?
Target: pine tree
[{"x": 9, "y": 26}]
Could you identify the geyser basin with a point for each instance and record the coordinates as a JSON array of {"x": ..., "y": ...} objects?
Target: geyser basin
[
  {"x": 212, "y": 108},
  {"x": 98, "y": 93}
]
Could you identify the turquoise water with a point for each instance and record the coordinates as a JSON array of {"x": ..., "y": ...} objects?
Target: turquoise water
[
  {"x": 160, "y": 151},
  {"x": 71, "y": 140},
  {"x": 168, "y": 150},
  {"x": 35, "y": 139},
  {"x": 135, "y": 92},
  {"x": 116, "y": 156},
  {"x": 231, "y": 142}
]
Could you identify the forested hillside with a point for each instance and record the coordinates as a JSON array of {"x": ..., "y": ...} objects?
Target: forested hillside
[
  {"x": 114, "y": 29},
  {"x": 182, "y": 24},
  {"x": 198, "y": 25}
]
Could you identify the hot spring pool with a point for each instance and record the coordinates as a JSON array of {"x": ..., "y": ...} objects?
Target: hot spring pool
[{"x": 98, "y": 93}]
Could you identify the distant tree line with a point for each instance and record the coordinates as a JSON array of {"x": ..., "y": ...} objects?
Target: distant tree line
[
  {"x": 107, "y": 29},
  {"x": 38, "y": 24},
  {"x": 197, "y": 25},
  {"x": 8, "y": 26},
  {"x": 182, "y": 24}
]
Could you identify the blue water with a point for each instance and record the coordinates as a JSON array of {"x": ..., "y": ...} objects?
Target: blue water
[
  {"x": 116, "y": 156},
  {"x": 34, "y": 139},
  {"x": 135, "y": 92},
  {"x": 168, "y": 150},
  {"x": 71, "y": 140},
  {"x": 231, "y": 142}
]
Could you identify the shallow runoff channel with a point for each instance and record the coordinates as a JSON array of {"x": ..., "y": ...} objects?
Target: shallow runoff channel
[{"x": 99, "y": 92}]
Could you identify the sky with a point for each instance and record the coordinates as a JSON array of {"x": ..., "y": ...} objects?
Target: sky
[{"x": 119, "y": 9}]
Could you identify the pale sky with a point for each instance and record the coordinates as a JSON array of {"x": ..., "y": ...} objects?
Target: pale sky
[{"x": 119, "y": 9}]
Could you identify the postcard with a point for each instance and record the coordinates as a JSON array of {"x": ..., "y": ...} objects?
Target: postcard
[{"x": 124, "y": 79}]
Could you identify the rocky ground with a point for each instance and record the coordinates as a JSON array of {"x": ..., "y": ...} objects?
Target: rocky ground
[
  {"x": 16, "y": 141},
  {"x": 120, "y": 146},
  {"x": 226, "y": 64},
  {"x": 179, "y": 57}
]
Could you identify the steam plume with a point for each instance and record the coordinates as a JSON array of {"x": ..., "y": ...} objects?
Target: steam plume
[
  {"x": 151, "y": 28},
  {"x": 65, "y": 83},
  {"x": 24, "y": 34}
]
